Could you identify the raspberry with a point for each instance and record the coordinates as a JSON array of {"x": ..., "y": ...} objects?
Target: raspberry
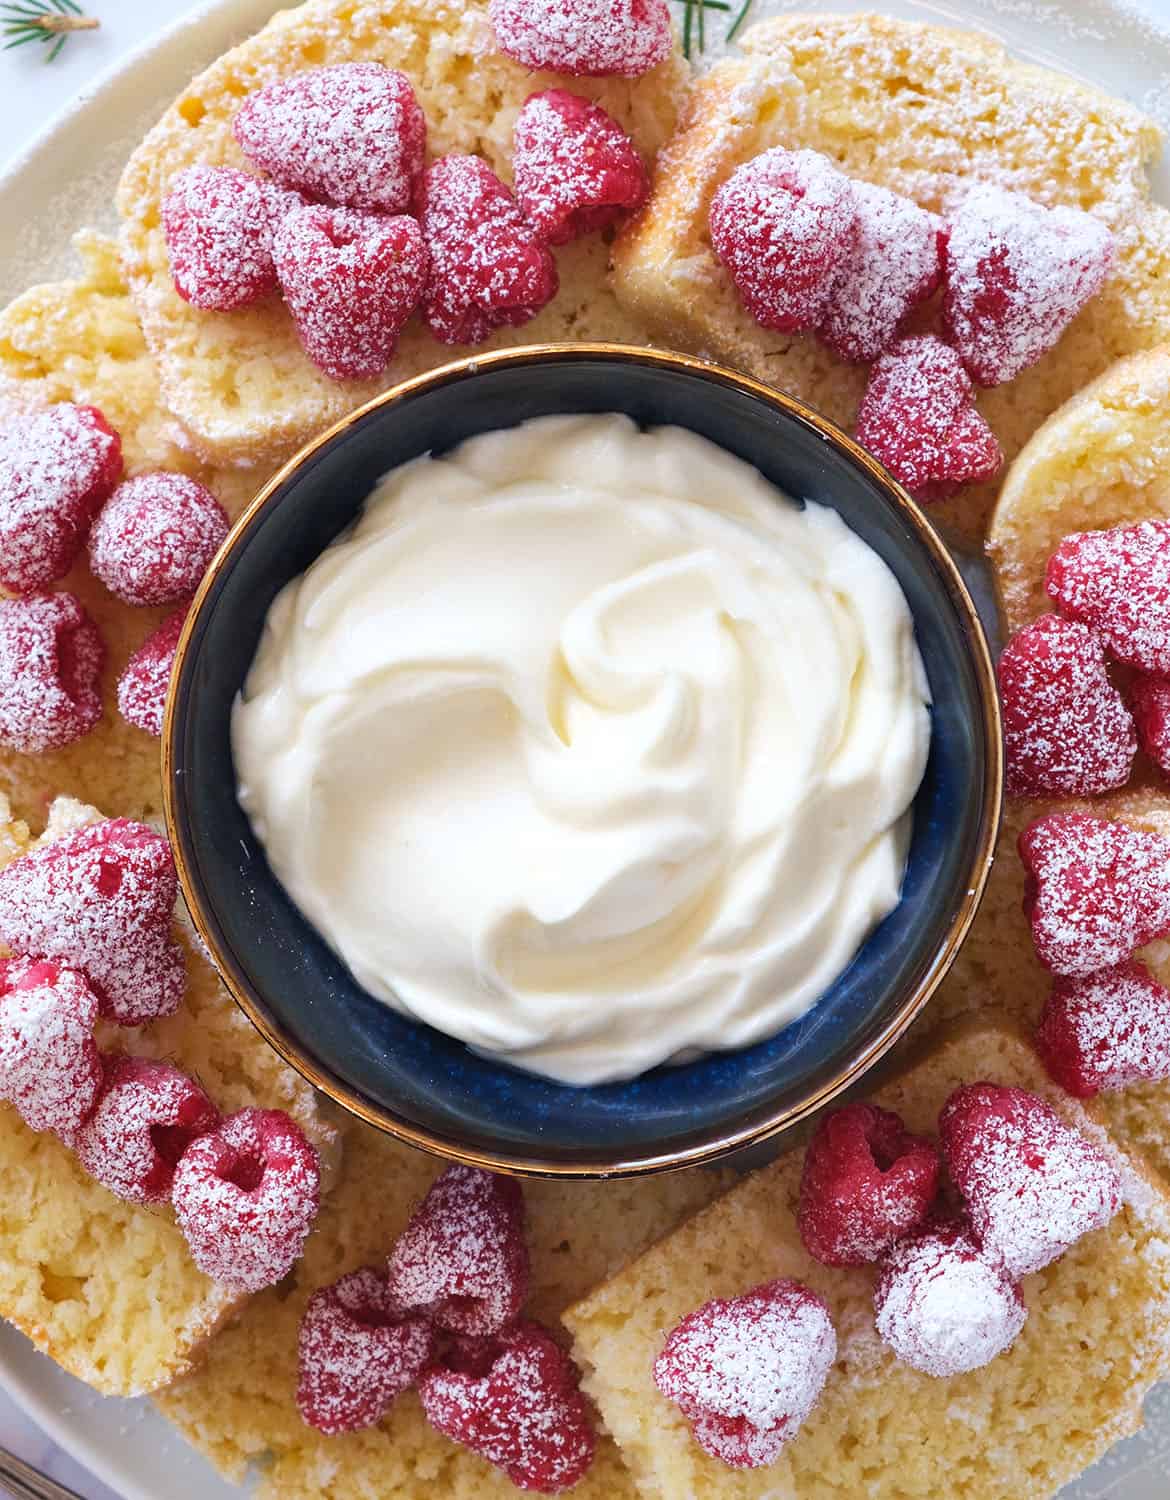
[
  {"x": 1106, "y": 1030},
  {"x": 943, "y": 1307},
  {"x": 51, "y": 656},
  {"x": 143, "y": 685},
  {"x": 894, "y": 264},
  {"x": 522, "y": 1412},
  {"x": 748, "y": 1370},
  {"x": 1118, "y": 583},
  {"x": 488, "y": 268},
  {"x": 56, "y": 468},
  {"x": 1149, "y": 701},
  {"x": 785, "y": 225},
  {"x": 351, "y": 281},
  {"x": 586, "y": 38},
  {"x": 576, "y": 169},
  {"x": 866, "y": 1182},
  {"x": 1032, "y": 1184},
  {"x": 918, "y": 416},
  {"x": 154, "y": 538},
  {"x": 1067, "y": 731},
  {"x": 352, "y": 134},
  {"x": 1017, "y": 274},
  {"x": 147, "y": 1114},
  {"x": 49, "y": 1063},
  {"x": 246, "y": 1196},
  {"x": 358, "y": 1353},
  {"x": 462, "y": 1260},
  {"x": 101, "y": 901},
  {"x": 1094, "y": 892}
]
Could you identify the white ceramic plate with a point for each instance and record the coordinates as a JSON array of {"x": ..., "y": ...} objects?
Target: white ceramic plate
[{"x": 66, "y": 181}]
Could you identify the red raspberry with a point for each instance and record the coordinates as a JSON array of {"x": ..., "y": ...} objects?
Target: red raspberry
[
  {"x": 56, "y": 468},
  {"x": 154, "y": 538},
  {"x": 894, "y": 264},
  {"x": 101, "y": 901},
  {"x": 586, "y": 38},
  {"x": 49, "y": 1063},
  {"x": 147, "y": 1114},
  {"x": 866, "y": 1182},
  {"x": 748, "y": 1370},
  {"x": 918, "y": 416},
  {"x": 462, "y": 1260},
  {"x": 143, "y": 685},
  {"x": 51, "y": 657},
  {"x": 1067, "y": 731},
  {"x": 353, "y": 135},
  {"x": 1118, "y": 583},
  {"x": 351, "y": 281},
  {"x": 489, "y": 269},
  {"x": 1032, "y": 1184},
  {"x": 785, "y": 225},
  {"x": 358, "y": 1353},
  {"x": 523, "y": 1412},
  {"x": 576, "y": 169},
  {"x": 1106, "y": 1030},
  {"x": 246, "y": 1196},
  {"x": 944, "y": 1307},
  {"x": 1017, "y": 274},
  {"x": 1094, "y": 892},
  {"x": 1149, "y": 701}
]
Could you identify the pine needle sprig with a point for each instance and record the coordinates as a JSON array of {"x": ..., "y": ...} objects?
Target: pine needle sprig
[{"x": 49, "y": 21}]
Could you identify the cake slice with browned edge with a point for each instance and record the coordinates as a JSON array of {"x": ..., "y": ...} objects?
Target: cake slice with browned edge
[{"x": 1096, "y": 1338}]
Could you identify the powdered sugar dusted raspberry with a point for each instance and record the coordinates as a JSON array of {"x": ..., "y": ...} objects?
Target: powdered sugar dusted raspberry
[
  {"x": 523, "y": 1413},
  {"x": 146, "y": 679},
  {"x": 748, "y": 1370},
  {"x": 488, "y": 268},
  {"x": 351, "y": 281},
  {"x": 918, "y": 416},
  {"x": 219, "y": 223},
  {"x": 352, "y": 134},
  {"x": 1149, "y": 701},
  {"x": 866, "y": 1182},
  {"x": 576, "y": 169},
  {"x": 785, "y": 224},
  {"x": 1095, "y": 890},
  {"x": 147, "y": 1114},
  {"x": 1016, "y": 275},
  {"x": 1118, "y": 582},
  {"x": 943, "y": 1307},
  {"x": 357, "y": 1353},
  {"x": 1106, "y": 1031},
  {"x": 51, "y": 657},
  {"x": 1033, "y": 1185},
  {"x": 56, "y": 468},
  {"x": 584, "y": 37},
  {"x": 246, "y": 1196},
  {"x": 101, "y": 900},
  {"x": 49, "y": 1063},
  {"x": 894, "y": 264},
  {"x": 1066, "y": 728},
  {"x": 154, "y": 538}
]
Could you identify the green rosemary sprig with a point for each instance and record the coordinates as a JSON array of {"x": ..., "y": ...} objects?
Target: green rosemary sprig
[
  {"x": 697, "y": 10},
  {"x": 744, "y": 12},
  {"x": 48, "y": 21}
]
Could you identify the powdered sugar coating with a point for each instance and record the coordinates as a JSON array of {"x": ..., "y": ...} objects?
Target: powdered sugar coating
[
  {"x": 1106, "y": 1030},
  {"x": 101, "y": 900},
  {"x": 1017, "y": 274},
  {"x": 245, "y": 1196},
  {"x": 154, "y": 538},
  {"x": 146, "y": 679},
  {"x": 943, "y": 1307},
  {"x": 586, "y": 38},
  {"x": 56, "y": 468},
  {"x": 1118, "y": 582},
  {"x": 51, "y": 658},
  {"x": 1032, "y": 1184},
  {"x": 219, "y": 223},
  {"x": 49, "y": 1063},
  {"x": 352, "y": 134},
  {"x": 1149, "y": 701},
  {"x": 1067, "y": 730}
]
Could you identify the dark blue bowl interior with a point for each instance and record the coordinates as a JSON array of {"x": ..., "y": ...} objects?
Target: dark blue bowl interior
[{"x": 415, "y": 1076}]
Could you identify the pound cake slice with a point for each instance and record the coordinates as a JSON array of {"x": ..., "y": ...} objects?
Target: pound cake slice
[
  {"x": 1096, "y": 1339},
  {"x": 925, "y": 112}
]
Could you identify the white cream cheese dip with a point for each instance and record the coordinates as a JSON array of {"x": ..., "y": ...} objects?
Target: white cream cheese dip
[{"x": 586, "y": 746}]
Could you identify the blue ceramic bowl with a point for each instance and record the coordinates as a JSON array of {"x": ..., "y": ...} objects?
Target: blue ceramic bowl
[{"x": 423, "y": 1086}]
